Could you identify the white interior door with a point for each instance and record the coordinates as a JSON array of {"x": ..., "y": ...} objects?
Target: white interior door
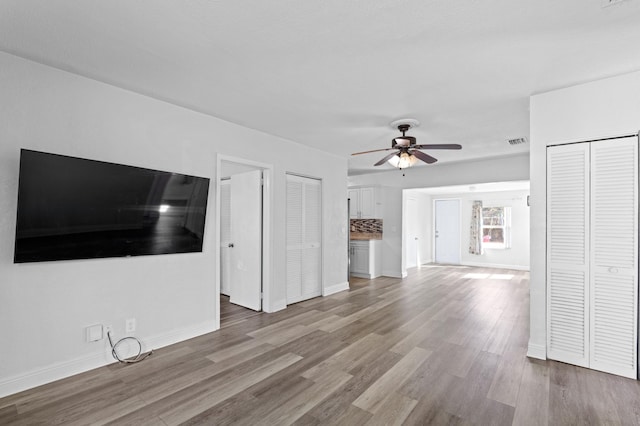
[
  {"x": 568, "y": 253},
  {"x": 304, "y": 237},
  {"x": 614, "y": 253},
  {"x": 225, "y": 237},
  {"x": 447, "y": 231},
  {"x": 245, "y": 273}
]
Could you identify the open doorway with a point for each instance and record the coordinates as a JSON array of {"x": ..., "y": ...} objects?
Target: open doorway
[
  {"x": 511, "y": 196},
  {"x": 243, "y": 239}
]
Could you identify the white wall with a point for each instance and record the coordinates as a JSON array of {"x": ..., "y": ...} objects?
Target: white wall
[
  {"x": 603, "y": 108},
  {"x": 513, "y": 168},
  {"x": 46, "y": 306},
  {"x": 422, "y": 226},
  {"x": 425, "y": 234},
  {"x": 392, "y": 247}
]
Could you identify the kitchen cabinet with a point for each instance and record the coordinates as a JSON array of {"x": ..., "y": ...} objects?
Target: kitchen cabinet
[
  {"x": 364, "y": 203},
  {"x": 365, "y": 258}
]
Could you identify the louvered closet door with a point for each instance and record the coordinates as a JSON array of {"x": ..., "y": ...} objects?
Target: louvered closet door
[
  {"x": 304, "y": 231},
  {"x": 614, "y": 281},
  {"x": 567, "y": 253}
]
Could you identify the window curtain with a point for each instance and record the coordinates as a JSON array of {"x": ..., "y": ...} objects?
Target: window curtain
[{"x": 475, "y": 240}]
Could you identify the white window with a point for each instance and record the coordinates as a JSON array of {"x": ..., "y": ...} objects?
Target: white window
[{"x": 496, "y": 227}]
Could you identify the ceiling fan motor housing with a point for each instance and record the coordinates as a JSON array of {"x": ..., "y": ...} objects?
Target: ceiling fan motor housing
[
  {"x": 403, "y": 141},
  {"x": 403, "y": 125}
]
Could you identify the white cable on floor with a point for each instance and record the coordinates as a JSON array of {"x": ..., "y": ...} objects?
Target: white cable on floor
[{"x": 139, "y": 357}]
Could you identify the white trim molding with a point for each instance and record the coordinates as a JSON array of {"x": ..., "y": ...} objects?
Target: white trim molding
[
  {"x": 537, "y": 351},
  {"x": 335, "y": 288},
  {"x": 276, "y": 306},
  {"x": 394, "y": 274}
]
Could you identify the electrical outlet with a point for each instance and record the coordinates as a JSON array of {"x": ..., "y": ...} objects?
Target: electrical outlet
[
  {"x": 107, "y": 329},
  {"x": 130, "y": 325}
]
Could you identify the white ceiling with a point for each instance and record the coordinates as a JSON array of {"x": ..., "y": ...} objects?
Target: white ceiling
[{"x": 332, "y": 74}]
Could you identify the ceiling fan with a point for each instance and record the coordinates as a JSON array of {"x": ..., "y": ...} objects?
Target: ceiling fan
[{"x": 406, "y": 152}]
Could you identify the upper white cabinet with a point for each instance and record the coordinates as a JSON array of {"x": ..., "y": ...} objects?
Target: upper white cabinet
[
  {"x": 364, "y": 203},
  {"x": 592, "y": 278}
]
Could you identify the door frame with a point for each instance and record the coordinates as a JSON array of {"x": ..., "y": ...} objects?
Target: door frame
[
  {"x": 435, "y": 218},
  {"x": 267, "y": 230}
]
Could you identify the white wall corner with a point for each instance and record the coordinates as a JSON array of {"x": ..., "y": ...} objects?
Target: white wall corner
[
  {"x": 276, "y": 306},
  {"x": 336, "y": 288},
  {"x": 537, "y": 351}
]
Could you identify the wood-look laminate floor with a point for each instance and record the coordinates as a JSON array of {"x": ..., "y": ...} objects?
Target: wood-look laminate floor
[{"x": 444, "y": 346}]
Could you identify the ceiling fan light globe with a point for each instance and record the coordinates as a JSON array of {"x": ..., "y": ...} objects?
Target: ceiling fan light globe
[{"x": 403, "y": 160}]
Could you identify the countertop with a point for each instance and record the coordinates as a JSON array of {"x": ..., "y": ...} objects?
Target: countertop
[{"x": 362, "y": 236}]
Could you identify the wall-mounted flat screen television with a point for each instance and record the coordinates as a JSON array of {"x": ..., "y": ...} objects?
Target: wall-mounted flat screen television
[{"x": 74, "y": 208}]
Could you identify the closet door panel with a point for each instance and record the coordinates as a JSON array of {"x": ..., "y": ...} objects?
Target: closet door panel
[
  {"x": 614, "y": 282},
  {"x": 304, "y": 238},
  {"x": 295, "y": 238},
  {"x": 568, "y": 253},
  {"x": 312, "y": 254}
]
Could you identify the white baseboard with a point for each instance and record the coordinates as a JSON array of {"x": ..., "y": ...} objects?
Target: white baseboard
[
  {"x": 537, "y": 351},
  {"x": 394, "y": 274},
  {"x": 277, "y": 306},
  {"x": 179, "y": 335},
  {"x": 496, "y": 265},
  {"x": 360, "y": 275},
  {"x": 100, "y": 358},
  {"x": 336, "y": 288}
]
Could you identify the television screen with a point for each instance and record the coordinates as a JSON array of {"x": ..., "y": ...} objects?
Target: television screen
[{"x": 73, "y": 208}]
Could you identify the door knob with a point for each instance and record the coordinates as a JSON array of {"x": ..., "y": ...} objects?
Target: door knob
[{"x": 231, "y": 245}]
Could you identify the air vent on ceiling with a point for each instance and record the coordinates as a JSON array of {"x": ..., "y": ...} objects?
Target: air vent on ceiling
[
  {"x": 607, "y": 3},
  {"x": 517, "y": 141}
]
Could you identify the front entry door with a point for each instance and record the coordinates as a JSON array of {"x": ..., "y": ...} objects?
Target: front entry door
[
  {"x": 245, "y": 272},
  {"x": 447, "y": 232}
]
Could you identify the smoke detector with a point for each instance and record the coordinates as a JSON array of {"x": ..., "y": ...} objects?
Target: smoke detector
[{"x": 517, "y": 141}]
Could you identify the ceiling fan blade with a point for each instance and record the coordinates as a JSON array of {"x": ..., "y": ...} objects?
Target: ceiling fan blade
[
  {"x": 385, "y": 159},
  {"x": 424, "y": 157},
  {"x": 439, "y": 146},
  {"x": 373, "y": 150}
]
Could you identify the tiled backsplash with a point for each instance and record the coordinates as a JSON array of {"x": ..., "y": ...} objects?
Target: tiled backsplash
[{"x": 366, "y": 226}]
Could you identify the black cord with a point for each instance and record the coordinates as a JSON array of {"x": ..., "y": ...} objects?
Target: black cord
[{"x": 139, "y": 357}]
